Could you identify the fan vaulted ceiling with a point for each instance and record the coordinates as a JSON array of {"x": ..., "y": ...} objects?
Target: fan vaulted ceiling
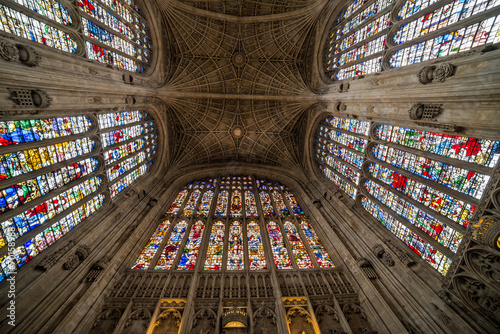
[{"x": 236, "y": 89}]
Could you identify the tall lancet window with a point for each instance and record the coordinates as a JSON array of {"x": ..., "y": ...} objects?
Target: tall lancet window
[
  {"x": 54, "y": 173},
  {"x": 370, "y": 36},
  {"x": 113, "y": 32},
  {"x": 423, "y": 186},
  {"x": 228, "y": 223}
]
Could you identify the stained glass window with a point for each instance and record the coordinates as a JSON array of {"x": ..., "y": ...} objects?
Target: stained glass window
[
  {"x": 417, "y": 244},
  {"x": 144, "y": 259},
  {"x": 190, "y": 252},
  {"x": 19, "y": 24},
  {"x": 255, "y": 248},
  {"x": 218, "y": 255},
  {"x": 221, "y": 208},
  {"x": 265, "y": 200},
  {"x": 235, "y": 247},
  {"x": 206, "y": 201},
  {"x": 50, "y": 9},
  {"x": 413, "y": 181},
  {"x": 191, "y": 203},
  {"x": 298, "y": 249},
  {"x": 280, "y": 253},
  {"x": 21, "y": 162},
  {"x": 357, "y": 43},
  {"x": 236, "y": 206},
  {"x": 319, "y": 251},
  {"x": 32, "y": 247},
  {"x": 215, "y": 247},
  {"x": 167, "y": 257},
  {"x": 25, "y": 131},
  {"x": 26, "y": 191}
]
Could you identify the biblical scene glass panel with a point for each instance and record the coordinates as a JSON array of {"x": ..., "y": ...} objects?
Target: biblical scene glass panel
[
  {"x": 423, "y": 186},
  {"x": 54, "y": 174},
  {"x": 227, "y": 225},
  {"x": 364, "y": 36}
]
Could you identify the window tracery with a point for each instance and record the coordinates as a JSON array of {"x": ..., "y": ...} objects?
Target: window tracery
[
  {"x": 113, "y": 32},
  {"x": 235, "y": 241},
  {"x": 369, "y": 37},
  {"x": 52, "y": 175},
  {"x": 423, "y": 186}
]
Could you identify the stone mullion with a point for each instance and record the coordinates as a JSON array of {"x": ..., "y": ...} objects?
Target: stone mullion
[
  {"x": 281, "y": 319},
  {"x": 246, "y": 255},
  {"x": 442, "y": 219},
  {"x": 284, "y": 235},
  {"x": 427, "y": 238}
]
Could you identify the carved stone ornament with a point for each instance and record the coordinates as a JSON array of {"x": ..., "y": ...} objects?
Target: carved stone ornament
[
  {"x": 416, "y": 111},
  {"x": 9, "y": 51},
  {"x": 72, "y": 262},
  {"x": 436, "y": 73},
  {"x": 387, "y": 259},
  {"x": 130, "y": 100},
  {"x": 485, "y": 263},
  {"x": 378, "y": 250},
  {"x": 402, "y": 255},
  {"x": 128, "y": 79},
  {"x": 28, "y": 56},
  {"x": 445, "y": 296},
  {"x": 30, "y": 98},
  {"x": 367, "y": 268},
  {"x": 424, "y": 112},
  {"x": 343, "y": 87},
  {"x": 141, "y": 315},
  {"x": 443, "y": 71},
  {"x": 51, "y": 260},
  {"x": 478, "y": 295},
  {"x": 169, "y": 314},
  {"x": 487, "y": 231}
]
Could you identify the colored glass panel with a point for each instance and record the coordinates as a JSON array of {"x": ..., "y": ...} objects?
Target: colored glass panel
[
  {"x": 373, "y": 27},
  {"x": 40, "y": 242},
  {"x": 236, "y": 207},
  {"x": 22, "y": 162},
  {"x": 359, "y": 144},
  {"x": 190, "y": 252},
  {"x": 362, "y": 51},
  {"x": 122, "y": 151},
  {"x": 280, "y": 204},
  {"x": 121, "y": 135},
  {"x": 445, "y": 235},
  {"x": 167, "y": 257},
  {"x": 413, "y": 241},
  {"x": 365, "y": 15},
  {"x": 26, "y": 131},
  {"x": 348, "y": 124},
  {"x": 438, "y": 201},
  {"x": 26, "y": 191},
  {"x": 215, "y": 247},
  {"x": 102, "y": 55},
  {"x": 298, "y": 249},
  {"x": 370, "y": 66},
  {"x": 206, "y": 201},
  {"x": 319, "y": 251},
  {"x": 441, "y": 18},
  {"x": 486, "y": 31},
  {"x": 297, "y": 210},
  {"x": 337, "y": 180},
  {"x": 339, "y": 152},
  {"x": 221, "y": 208},
  {"x": 480, "y": 151},
  {"x": 414, "y": 6},
  {"x": 340, "y": 167},
  {"x": 176, "y": 205},
  {"x": 120, "y": 118},
  {"x": 51, "y": 9},
  {"x": 255, "y": 248},
  {"x": 21, "y": 25},
  {"x": 235, "y": 247},
  {"x": 280, "y": 253},
  {"x": 459, "y": 179},
  {"x": 119, "y": 169},
  {"x": 250, "y": 204},
  {"x": 267, "y": 207},
  {"x": 41, "y": 213},
  {"x": 144, "y": 259},
  {"x": 127, "y": 180},
  {"x": 190, "y": 205}
]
